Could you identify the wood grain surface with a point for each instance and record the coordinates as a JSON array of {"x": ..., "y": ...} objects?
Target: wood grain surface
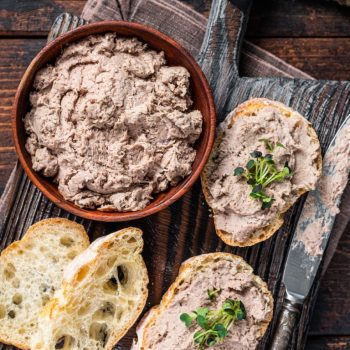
[
  {"x": 33, "y": 18},
  {"x": 330, "y": 328},
  {"x": 328, "y": 343}
]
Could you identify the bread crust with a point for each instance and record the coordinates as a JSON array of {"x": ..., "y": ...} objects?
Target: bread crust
[
  {"x": 188, "y": 269},
  {"x": 51, "y": 221},
  {"x": 79, "y": 229},
  {"x": 244, "y": 110}
]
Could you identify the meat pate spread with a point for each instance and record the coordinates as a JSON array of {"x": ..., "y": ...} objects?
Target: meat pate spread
[
  {"x": 235, "y": 211},
  {"x": 112, "y": 123},
  {"x": 168, "y": 331}
]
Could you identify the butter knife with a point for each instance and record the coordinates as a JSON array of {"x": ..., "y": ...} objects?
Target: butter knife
[{"x": 312, "y": 234}]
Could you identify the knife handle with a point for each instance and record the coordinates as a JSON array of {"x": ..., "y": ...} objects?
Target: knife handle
[{"x": 285, "y": 325}]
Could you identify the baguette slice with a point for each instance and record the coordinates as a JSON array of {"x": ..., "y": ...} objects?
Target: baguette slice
[
  {"x": 161, "y": 327},
  {"x": 246, "y": 110},
  {"x": 103, "y": 292},
  {"x": 30, "y": 271}
]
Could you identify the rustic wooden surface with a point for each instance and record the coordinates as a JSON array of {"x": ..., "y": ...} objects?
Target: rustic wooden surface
[{"x": 24, "y": 24}]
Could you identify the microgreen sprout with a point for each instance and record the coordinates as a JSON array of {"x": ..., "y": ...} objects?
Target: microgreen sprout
[
  {"x": 212, "y": 294},
  {"x": 212, "y": 326},
  {"x": 260, "y": 171},
  {"x": 270, "y": 145}
]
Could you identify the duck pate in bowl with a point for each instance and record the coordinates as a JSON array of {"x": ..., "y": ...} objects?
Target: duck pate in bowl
[{"x": 118, "y": 123}]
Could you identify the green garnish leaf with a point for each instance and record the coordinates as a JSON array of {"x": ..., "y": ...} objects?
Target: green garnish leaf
[
  {"x": 257, "y": 188},
  {"x": 279, "y": 144},
  {"x": 251, "y": 181},
  {"x": 266, "y": 205},
  {"x": 261, "y": 171},
  {"x": 238, "y": 171},
  {"x": 212, "y": 294},
  {"x": 213, "y": 325},
  {"x": 268, "y": 144},
  {"x": 221, "y": 330},
  {"x": 256, "y": 154},
  {"x": 186, "y": 319},
  {"x": 202, "y": 311},
  {"x": 228, "y": 304},
  {"x": 241, "y": 312},
  {"x": 202, "y": 321},
  {"x": 254, "y": 195},
  {"x": 211, "y": 341},
  {"x": 250, "y": 164},
  {"x": 286, "y": 171},
  {"x": 198, "y": 337}
]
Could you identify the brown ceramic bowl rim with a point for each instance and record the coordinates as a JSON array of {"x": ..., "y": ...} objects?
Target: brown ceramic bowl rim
[{"x": 112, "y": 216}]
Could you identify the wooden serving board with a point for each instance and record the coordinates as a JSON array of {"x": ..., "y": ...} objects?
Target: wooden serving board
[{"x": 186, "y": 228}]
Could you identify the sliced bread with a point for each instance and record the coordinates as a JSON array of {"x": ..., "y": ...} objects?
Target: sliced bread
[
  {"x": 239, "y": 219},
  {"x": 31, "y": 271},
  {"x": 225, "y": 273},
  {"x": 103, "y": 292}
]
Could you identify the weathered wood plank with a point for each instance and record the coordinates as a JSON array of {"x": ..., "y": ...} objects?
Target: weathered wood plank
[
  {"x": 7, "y": 155},
  {"x": 220, "y": 51},
  {"x": 30, "y": 18},
  {"x": 323, "y": 58},
  {"x": 7, "y": 158},
  {"x": 301, "y": 18},
  {"x": 15, "y": 56},
  {"x": 274, "y": 18},
  {"x": 328, "y": 343},
  {"x": 18, "y": 52},
  {"x": 331, "y": 313},
  {"x": 5, "y": 137},
  {"x": 6, "y": 172}
]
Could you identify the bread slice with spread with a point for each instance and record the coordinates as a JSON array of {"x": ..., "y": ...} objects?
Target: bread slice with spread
[
  {"x": 265, "y": 157},
  {"x": 103, "y": 292},
  {"x": 205, "y": 288},
  {"x": 31, "y": 271}
]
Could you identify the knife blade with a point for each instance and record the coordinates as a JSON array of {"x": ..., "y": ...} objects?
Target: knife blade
[{"x": 312, "y": 233}]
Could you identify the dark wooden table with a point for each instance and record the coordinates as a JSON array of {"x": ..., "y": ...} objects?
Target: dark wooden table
[{"x": 312, "y": 35}]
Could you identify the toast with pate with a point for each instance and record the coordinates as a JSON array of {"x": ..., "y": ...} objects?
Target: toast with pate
[
  {"x": 30, "y": 271},
  {"x": 205, "y": 282},
  {"x": 103, "y": 292},
  {"x": 266, "y": 155}
]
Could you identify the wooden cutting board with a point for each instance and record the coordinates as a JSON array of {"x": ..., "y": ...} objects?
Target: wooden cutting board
[{"x": 186, "y": 228}]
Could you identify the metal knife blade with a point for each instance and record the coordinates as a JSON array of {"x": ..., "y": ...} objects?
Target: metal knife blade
[
  {"x": 312, "y": 233},
  {"x": 317, "y": 217}
]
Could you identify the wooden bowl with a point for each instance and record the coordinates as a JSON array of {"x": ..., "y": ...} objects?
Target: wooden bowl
[{"x": 175, "y": 54}]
